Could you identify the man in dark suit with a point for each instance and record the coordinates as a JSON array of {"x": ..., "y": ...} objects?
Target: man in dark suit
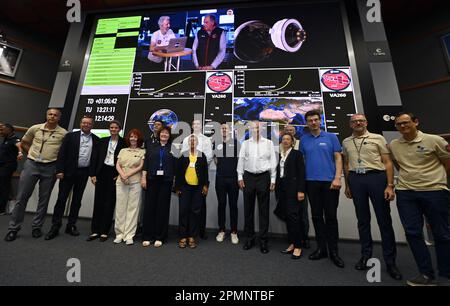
[{"x": 72, "y": 169}]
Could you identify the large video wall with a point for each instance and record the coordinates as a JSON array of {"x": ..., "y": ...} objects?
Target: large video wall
[{"x": 277, "y": 63}]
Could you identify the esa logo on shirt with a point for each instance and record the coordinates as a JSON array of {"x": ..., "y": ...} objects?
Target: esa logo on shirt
[{"x": 422, "y": 150}]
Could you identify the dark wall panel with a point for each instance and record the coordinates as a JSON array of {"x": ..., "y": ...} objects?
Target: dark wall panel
[{"x": 38, "y": 66}]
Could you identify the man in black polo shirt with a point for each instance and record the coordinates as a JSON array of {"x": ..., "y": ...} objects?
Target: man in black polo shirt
[
  {"x": 208, "y": 50},
  {"x": 9, "y": 153},
  {"x": 226, "y": 159}
]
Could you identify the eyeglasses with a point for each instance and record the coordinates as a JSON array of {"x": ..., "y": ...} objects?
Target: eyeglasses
[{"x": 402, "y": 123}]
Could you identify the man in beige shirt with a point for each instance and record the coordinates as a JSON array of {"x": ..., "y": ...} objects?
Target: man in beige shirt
[
  {"x": 42, "y": 141},
  {"x": 369, "y": 174},
  {"x": 423, "y": 161}
]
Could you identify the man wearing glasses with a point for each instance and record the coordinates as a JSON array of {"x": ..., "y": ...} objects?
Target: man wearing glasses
[
  {"x": 369, "y": 174},
  {"x": 423, "y": 161}
]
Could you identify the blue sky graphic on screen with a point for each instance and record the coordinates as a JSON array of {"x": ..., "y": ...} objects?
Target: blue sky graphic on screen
[{"x": 167, "y": 116}]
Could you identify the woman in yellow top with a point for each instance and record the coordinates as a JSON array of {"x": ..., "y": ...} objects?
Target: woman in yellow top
[
  {"x": 191, "y": 182},
  {"x": 128, "y": 187}
]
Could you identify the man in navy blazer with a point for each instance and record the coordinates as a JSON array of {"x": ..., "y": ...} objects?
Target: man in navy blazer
[{"x": 72, "y": 169}]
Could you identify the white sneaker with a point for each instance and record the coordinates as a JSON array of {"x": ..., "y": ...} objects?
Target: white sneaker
[
  {"x": 145, "y": 243},
  {"x": 220, "y": 237},
  {"x": 158, "y": 244},
  {"x": 129, "y": 242},
  {"x": 234, "y": 238},
  {"x": 118, "y": 240}
]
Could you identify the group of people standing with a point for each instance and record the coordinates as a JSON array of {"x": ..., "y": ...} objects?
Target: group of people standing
[{"x": 121, "y": 169}]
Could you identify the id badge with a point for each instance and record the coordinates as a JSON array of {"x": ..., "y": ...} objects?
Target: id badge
[
  {"x": 191, "y": 165},
  {"x": 361, "y": 170},
  {"x": 160, "y": 172}
]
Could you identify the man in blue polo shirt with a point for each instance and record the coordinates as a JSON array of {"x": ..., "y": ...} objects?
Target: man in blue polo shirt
[{"x": 323, "y": 160}]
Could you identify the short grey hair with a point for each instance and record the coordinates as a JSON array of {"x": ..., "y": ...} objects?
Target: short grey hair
[
  {"x": 212, "y": 18},
  {"x": 162, "y": 18}
]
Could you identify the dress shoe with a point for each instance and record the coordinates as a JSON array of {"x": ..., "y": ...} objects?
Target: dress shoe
[
  {"x": 318, "y": 254},
  {"x": 287, "y": 251},
  {"x": 234, "y": 238},
  {"x": 192, "y": 243},
  {"x": 36, "y": 233},
  {"x": 220, "y": 236},
  {"x": 295, "y": 257},
  {"x": 394, "y": 272},
  {"x": 422, "y": 281},
  {"x": 72, "y": 230},
  {"x": 361, "y": 265},
  {"x": 306, "y": 244},
  {"x": 249, "y": 244},
  {"x": 182, "y": 243},
  {"x": 338, "y": 262},
  {"x": 263, "y": 247},
  {"x": 92, "y": 237},
  {"x": 103, "y": 238},
  {"x": 54, "y": 231},
  {"x": 11, "y": 236}
]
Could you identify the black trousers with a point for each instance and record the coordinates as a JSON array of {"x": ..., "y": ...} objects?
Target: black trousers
[
  {"x": 304, "y": 224},
  {"x": 189, "y": 211},
  {"x": 294, "y": 216},
  {"x": 227, "y": 187},
  {"x": 156, "y": 210},
  {"x": 412, "y": 207},
  {"x": 6, "y": 172},
  {"x": 202, "y": 224},
  {"x": 78, "y": 182},
  {"x": 363, "y": 187},
  {"x": 324, "y": 203},
  {"x": 257, "y": 186},
  {"x": 104, "y": 201}
]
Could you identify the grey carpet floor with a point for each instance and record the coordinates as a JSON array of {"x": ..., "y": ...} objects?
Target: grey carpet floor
[{"x": 29, "y": 261}]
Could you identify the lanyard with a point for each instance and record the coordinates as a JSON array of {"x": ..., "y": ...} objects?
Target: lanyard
[
  {"x": 45, "y": 140},
  {"x": 161, "y": 157},
  {"x": 358, "y": 150}
]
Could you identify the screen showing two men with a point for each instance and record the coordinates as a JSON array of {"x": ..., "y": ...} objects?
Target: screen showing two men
[{"x": 231, "y": 64}]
